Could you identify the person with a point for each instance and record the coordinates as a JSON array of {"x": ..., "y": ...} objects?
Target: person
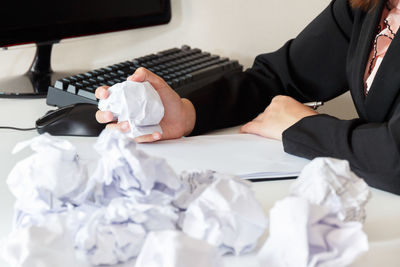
[{"x": 352, "y": 46}]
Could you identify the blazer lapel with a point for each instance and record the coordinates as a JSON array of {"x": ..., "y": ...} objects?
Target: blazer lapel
[
  {"x": 361, "y": 55},
  {"x": 386, "y": 84}
]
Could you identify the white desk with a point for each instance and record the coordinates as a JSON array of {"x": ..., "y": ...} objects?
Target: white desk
[{"x": 383, "y": 211}]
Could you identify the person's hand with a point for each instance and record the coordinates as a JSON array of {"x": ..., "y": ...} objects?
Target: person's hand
[
  {"x": 179, "y": 113},
  {"x": 282, "y": 113}
]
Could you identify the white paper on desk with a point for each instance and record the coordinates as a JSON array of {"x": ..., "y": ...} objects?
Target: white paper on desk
[{"x": 246, "y": 155}]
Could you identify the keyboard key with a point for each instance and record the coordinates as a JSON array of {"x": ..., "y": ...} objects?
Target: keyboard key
[
  {"x": 62, "y": 84},
  {"x": 195, "y": 51},
  {"x": 85, "y": 83},
  {"x": 175, "y": 82},
  {"x": 185, "y": 47},
  {"x": 92, "y": 81},
  {"x": 199, "y": 74},
  {"x": 87, "y": 94},
  {"x": 80, "y": 76},
  {"x": 91, "y": 88},
  {"x": 73, "y": 88},
  {"x": 168, "y": 51},
  {"x": 97, "y": 72},
  {"x": 113, "y": 74},
  {"x": 88, "y": 75}
]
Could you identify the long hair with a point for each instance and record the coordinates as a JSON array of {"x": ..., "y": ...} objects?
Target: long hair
[{"x": 364, "y": 4}]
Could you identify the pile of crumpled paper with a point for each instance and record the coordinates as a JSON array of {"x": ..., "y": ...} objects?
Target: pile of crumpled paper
[{"x": 127, "y": 208}]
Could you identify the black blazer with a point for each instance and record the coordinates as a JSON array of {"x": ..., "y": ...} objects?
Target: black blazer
[{"x": 326, "y": 59}]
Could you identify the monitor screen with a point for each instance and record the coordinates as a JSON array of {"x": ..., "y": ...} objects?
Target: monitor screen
[{"x": 43, "y": 21}]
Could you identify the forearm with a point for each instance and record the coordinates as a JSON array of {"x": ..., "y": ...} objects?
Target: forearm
[{"x": 371, "y": 148}]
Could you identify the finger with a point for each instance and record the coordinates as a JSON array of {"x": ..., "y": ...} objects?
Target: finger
[
  {"x": 148, "y": 138},
  {"x": 112, "y": 126},
  {"x": 104, "y": 116},
  {"x": 122, "y": 126},
  {"x": 143, "y": 74},
  {"x": 242, "y": 129},
  {"x": 252, "y": 127},
  {"x": 102, "y": 92}
]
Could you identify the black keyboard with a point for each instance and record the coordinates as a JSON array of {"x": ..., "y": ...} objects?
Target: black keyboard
[{"x": 185, "y": 69}]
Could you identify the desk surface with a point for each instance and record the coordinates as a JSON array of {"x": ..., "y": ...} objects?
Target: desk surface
[{"x": 383, "y": 217}]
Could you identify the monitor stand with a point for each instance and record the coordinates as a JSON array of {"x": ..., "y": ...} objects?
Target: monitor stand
[{"x": 34, "y": 83}]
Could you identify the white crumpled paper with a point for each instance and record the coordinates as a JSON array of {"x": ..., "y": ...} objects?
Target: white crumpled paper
[
  {"x": 124, "y": 170},
  {"x": 115, "y": 233},
  {"x": 330, "y": 182},
  {"x": 223, "y": 211},
  {"x": 44, "y": 244},
  {"x": 320, "y": 223},
  {"x": 137, "y": 103},
  {"x": 47, "y": 180},
  {"x": 105, "y": 219},
  {"x": 176, "y": 249}
]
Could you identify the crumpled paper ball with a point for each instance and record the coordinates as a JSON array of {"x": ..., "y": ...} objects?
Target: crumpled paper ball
[
  {"x": 223, "y": 211},
  {"x": 320, "y": 223},
  {"x": 46, "y": 180},
  {"x": 303, "y": 234},
  {"x": 137, "y": 103},
  {"x": 330, "y": 182}
]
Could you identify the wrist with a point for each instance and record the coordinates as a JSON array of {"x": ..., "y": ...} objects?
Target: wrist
[{"x": 189, "y": 116}]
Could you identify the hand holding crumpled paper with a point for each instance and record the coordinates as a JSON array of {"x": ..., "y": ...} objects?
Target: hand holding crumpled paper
[{"x": 137, "y": 103}]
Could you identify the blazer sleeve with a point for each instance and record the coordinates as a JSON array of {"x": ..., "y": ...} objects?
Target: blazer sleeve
[
  {"x": 310, "y": 67},
  {"x": 372, "y": 149}
]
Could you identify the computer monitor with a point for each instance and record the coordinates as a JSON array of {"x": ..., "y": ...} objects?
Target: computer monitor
[{"x": 46, "y": 22}]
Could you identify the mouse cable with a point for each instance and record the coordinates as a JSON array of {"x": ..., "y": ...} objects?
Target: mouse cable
[{"x": 16, "y": 128}]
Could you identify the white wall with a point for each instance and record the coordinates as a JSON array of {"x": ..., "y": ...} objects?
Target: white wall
[{"x": 234, "y": 28}]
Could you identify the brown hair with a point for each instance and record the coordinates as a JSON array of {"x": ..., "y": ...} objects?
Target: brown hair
[{"x": 364, "y": 4}]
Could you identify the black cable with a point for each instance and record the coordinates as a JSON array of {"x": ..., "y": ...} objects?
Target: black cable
[{"x": 17, "y": 129}]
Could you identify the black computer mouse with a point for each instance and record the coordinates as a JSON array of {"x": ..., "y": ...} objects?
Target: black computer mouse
[{"x": 75, "y": 120}]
